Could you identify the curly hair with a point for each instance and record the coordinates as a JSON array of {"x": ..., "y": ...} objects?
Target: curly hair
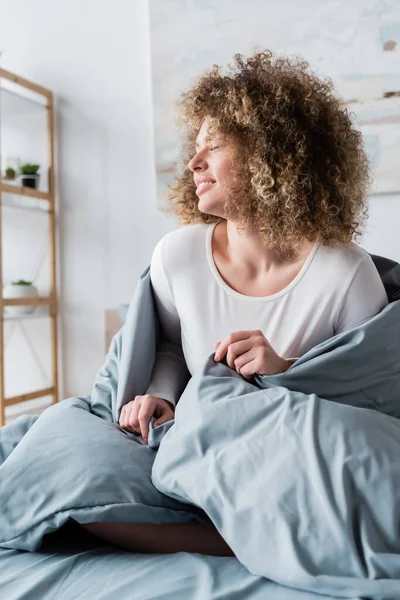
[{"x": 300, "y": 161}]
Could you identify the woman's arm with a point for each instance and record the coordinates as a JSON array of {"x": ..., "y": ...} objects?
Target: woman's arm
[
  {"x": 170, "y": 374},
  {"x": 365, "y": 296}
]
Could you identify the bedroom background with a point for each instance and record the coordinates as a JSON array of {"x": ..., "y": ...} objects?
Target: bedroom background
[{"x": 115, "y": 69}]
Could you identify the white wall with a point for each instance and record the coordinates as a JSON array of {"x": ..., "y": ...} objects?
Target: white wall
[
  {"x": 383, "y": 229},
  {"x": 95, "y": 55}
]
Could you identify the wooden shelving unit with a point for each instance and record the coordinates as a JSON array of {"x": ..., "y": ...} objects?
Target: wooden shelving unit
[{"x": 48, "y": 198}]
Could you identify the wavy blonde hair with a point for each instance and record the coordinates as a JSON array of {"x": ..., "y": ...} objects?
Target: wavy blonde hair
[{"x": 301, "y": 163}]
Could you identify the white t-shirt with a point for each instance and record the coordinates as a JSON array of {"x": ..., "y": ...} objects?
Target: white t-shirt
[{"x": 336, "y": 289}]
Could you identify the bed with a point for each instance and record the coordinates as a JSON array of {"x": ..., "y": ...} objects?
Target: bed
[
  {"x": 71, "y": 565},
  {"x": 50, "y": 481}
]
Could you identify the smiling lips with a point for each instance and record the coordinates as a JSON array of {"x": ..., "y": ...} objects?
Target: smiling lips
[{"x": 202, "y": 186}]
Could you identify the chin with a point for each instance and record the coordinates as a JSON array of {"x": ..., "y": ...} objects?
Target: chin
[
  {"x": 212, "y": 212},
  {"x": 210, "y": 208}
]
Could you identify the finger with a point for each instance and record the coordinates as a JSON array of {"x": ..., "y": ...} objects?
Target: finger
[
  {"x": 124, "y": 418},
  {"x": 167, "y": 416},
  {"x": 244, "y": 359},
  {"x": 249, "y": 369},
  {"x": 236, "y": 350},
  {"x": 221, "y": 350},
  {"x": 232, "y": 338},
  {"x": 132, "y": 416},
  {"x": 145, "y": 414}
]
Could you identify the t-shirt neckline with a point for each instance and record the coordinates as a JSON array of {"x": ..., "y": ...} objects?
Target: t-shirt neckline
[{"x": 232, "y": 292}]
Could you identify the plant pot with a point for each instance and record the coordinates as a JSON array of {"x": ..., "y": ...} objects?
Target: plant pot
[
  {"x": 10, "y": 290},
  {"x": 31, "y": 181}
]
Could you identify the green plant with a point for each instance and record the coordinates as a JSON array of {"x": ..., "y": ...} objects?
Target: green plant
[
  {"x": 29, "y": 169},
  {"x": 10, "y": 172},
  {"x": 21, "y": 282}
]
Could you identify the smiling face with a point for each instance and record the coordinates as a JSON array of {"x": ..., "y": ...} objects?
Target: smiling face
[{"x": 213, "y": 170}]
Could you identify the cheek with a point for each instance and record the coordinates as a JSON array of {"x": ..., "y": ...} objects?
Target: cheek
[{"x": 226, "y": 173}]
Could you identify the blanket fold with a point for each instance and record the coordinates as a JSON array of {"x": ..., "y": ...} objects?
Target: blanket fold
[
  {"x": 299, "y": 472},
  {"x": 304, "y": 489}
]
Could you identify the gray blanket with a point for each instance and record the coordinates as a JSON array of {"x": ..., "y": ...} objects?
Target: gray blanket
[{"x": 299, "y": 472}]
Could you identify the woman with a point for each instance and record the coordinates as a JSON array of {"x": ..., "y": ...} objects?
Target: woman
[{"x": 273, "y": 187}]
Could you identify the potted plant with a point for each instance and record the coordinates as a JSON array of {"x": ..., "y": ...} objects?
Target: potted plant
[
  {"x": 10, "y": 173},
  {"x": 20, "y": 289},
  {"x": 29, "y": 175}
]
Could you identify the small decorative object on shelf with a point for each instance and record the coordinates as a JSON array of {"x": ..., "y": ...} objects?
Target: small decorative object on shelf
[
  {"x": 29, "y": 175},
  {"x": 10, "y": 174},
  {"x": 19, "y": 289}
]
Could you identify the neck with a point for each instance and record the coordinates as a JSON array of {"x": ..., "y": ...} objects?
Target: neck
[{"x": 246, "y": 251}]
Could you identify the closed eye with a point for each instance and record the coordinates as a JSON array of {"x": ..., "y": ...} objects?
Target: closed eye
[{"x": 214, "y": 148}]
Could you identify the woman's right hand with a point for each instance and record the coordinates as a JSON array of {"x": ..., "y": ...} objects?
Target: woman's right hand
[{"x": 135, "y": 415}]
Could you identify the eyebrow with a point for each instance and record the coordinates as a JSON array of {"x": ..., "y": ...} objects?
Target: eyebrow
[{"x": 207, "y": 139}]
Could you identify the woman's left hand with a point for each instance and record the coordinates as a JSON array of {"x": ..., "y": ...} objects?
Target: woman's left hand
[{"x": 250, "y": 353}]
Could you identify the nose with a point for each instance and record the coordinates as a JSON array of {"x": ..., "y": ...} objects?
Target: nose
[{"x": 198, "y": 162}]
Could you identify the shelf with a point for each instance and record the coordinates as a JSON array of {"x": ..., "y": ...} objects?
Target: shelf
[
  {"x": 30, "y": 396},
  {"x": 21, "y": 203},
  {"x": 20, "y": 190},
  {"x": 41, "y": 312},
  {"x": 35, "y": 301},
  {"x": 27, "y": 135},
  {"x": 14, "y": 103},
  {"x": 24, "y": 89},
  {"x": 30, "y": 407}
]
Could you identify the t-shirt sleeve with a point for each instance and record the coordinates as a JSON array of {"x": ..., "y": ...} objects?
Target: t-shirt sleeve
[
  {"x": 170, "y": 373},
  {"x": 365, "y": 296}
]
